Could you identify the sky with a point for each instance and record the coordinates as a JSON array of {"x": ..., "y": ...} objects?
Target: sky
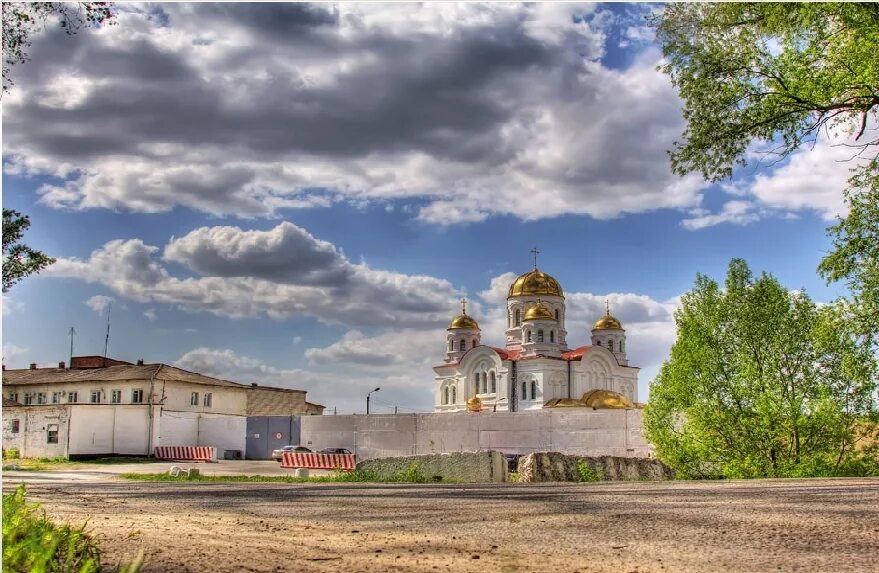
[{"x": 298, "y": 195}]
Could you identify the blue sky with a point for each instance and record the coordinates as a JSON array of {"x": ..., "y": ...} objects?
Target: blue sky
[{"x": 305, "y": 209}]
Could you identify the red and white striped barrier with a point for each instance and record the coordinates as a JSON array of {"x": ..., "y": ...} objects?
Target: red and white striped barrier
[
  {"x": 187, "y": 453},
  {"x": 317, "y": 461}
]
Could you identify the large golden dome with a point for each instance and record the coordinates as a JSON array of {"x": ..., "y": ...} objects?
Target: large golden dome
[
  {"x": 539, "y": 312},
  {"x": 537, "y": 283}
]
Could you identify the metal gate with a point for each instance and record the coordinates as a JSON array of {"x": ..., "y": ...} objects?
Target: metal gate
[{"x": 266, "y": 433}]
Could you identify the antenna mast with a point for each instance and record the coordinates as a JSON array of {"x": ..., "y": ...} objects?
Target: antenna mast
[
  {"x": 72, "y": 333},
  {"x": 107, "y": 338}
]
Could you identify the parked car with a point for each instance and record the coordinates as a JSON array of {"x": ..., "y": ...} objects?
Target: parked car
[
  {"x": 335, "y": 451},
  {"x": 276, "y": 454}
]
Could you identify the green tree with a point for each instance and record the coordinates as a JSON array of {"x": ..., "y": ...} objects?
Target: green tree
[
  {"x": 19, "y": 260},
  {"x": 762, "y": 382},
  {"x": 780, "y": 74},
  {"x": 22, "y": 19}
]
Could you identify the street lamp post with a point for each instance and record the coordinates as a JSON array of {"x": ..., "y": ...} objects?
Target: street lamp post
[{"x": 367, "y": 399}]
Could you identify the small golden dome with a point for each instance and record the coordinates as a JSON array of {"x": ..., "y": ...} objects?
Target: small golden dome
[
  {"x": 607, "y": 322},
  {"x": 463, "y": 321},
  {"x": 474, "y": 404},
  {"x": 535, "y": 282},
  {"x": 539, "y": 312},
  {"x": 605, "y": 399}
]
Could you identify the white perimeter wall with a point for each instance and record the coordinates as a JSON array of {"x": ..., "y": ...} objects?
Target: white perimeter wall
[
  {"x": 581, "y": 431},
  {"x": 224, "y": 432}
]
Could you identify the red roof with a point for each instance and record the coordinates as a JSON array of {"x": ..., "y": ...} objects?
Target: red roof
[{"x": 576, "y": 354}]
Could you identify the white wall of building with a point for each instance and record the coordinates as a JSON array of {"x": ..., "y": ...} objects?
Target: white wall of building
[{"x": 31, "y": 439}]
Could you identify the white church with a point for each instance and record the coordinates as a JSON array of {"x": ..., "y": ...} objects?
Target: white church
[{"x": 536, "y": 368}]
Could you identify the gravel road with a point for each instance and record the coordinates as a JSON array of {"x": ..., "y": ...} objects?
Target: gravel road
[{"x": 778, "y": 525}]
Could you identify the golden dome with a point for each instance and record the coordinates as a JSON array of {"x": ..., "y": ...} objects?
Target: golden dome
[
  {"x": 564, "y": 403},
  {"x": 607, "y": 322},
  {"x": 535, "y": 282},
  {"x": 474, "y": 404},
  {"x": 539, "y": 312},
  {"x": 463, "y": 321},
  {"x": 605, "y": 399}
]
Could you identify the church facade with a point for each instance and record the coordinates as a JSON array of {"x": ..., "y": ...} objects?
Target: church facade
[{"x": 536, "y": 368}]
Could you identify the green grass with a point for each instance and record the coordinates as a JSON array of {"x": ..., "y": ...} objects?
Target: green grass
[
  {"x": 37, "y": 464},
  {"x": 409, "y": 475},
  {"x": 34, "y": 544},
  {"x": 585, "y": 473}
]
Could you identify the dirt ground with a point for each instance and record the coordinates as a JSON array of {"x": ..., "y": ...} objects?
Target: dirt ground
[{"x": 782, "y": 525}]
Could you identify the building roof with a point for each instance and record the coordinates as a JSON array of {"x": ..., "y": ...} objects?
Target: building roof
[{"x": 160, "y": 372}]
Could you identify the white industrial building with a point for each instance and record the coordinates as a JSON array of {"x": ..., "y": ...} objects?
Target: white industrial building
[{"x": 122, "y": 408}]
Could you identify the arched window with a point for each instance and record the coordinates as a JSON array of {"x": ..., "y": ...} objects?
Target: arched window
[
  {"x": 534, "y": 390},
  {"x": 454, "y": 399},
  {"x": 462, "y": 345},
  {"x": 621, "y": 346},
  {"x": 610, "y": 345},
  {"x": 598, "y": 342},
  {"x": 493, "y": 383},
  {"x": 474, "y": 343},
  {"x": 477, "y": 383},
  {"x": 518, "y": 317},
  {"x": 552, "y": 335},
  {"x": 451, "y": 346},
  {"x": 524, "y": 390},
  {"x": 540, "y": 335},
  {"x": 556, "y": 314},
  {"x": 446, "y": 395},
  {"x": 528, "y": 336},
  {"x": 484, "y": 383}
]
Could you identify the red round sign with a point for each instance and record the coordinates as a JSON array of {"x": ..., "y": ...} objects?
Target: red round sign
[{"x": 279, "y": 435}]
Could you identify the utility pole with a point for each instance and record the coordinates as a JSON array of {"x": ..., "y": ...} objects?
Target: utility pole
[
  {"x": 367, "y": 399},
  {"x": 72, "y": 333},
  {"x": 107, "y": 338}
]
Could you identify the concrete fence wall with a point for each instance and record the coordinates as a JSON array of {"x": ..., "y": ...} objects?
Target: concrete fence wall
[
  {"x": 579, "y": 432},
  {"x": 469, "y": 467}
]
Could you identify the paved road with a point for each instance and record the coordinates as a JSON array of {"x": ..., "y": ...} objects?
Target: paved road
[{"x": 784, "y": 525}]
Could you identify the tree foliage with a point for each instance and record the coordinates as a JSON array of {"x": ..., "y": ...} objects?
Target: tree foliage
[
  {"x": 22, "y": 19},
  {"x": 19, "y": 260},
  {"x": 782, "y": 73},
  {"x": 768, "y": 71},
  {"x": 762, "y": 382}
]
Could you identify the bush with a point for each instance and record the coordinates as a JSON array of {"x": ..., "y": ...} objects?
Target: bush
[
  {"x": 585, "y": 472},
  {"x": 11, "y": 454}
]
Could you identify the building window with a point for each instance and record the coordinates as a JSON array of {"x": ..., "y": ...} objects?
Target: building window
[
  {"x": 116, "y": 397},
  {"x": 193, "y": 399},
  {"x": 518, "y": 317},
  {"x": 15, "y": 426},
  {"x": 462, "y": 345},
  {"x": 454, "y": 395},
  {"x": 524, "y": 391},
  {"x": 13, "y": 396},
  {"x": 598, "y": 342},
  {"x": 552, "y": 335},
  {"x": 540, "y": 335},
  {"x": 621, "y": 346},
  {"x": 493, "y": 383},
  {"x": 71, "y": 396},
  {"x": 52, "y": 434},
  {"x": 534, "y": 390},
  {"x": 446, "y": 395},
  {"x": 610, "y": 345},
  {"x": 451, "y": 346},
  {"x": 474, "y": 343},
  {"x": 477, "y": 383},
  {"x": 56, "y": 397},
  {"x": 137, "y": 396},
  {"x": 95, "y": 397},
  {"x": 41, "y": 398},
  {"x": 556, "y": 314},
  {"x": 27, "y": 398},
  {"x": 208, "y": 399},
  {"x": 528, "y": 336}
]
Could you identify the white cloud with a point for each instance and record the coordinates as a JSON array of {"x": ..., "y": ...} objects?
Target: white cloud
[
  {"x": 360, "y": 295},
  {"x": 99, "y": 303},
  {"x": 737, "y": 212},
  {"x": 11, "y": 306},
  {"x": 150, "y": 314},
  {"x": 297, "y": 339},
  {"x": 11, "y": 351},
  {"x": 469, "y": 110}
]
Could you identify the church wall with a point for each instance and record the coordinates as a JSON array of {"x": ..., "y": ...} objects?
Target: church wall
[{"x": 573, "y": 431}]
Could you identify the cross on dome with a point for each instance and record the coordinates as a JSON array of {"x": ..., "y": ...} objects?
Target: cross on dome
[
  {"x": 535, "y": 252},
  {"x": 463, "y": 305}
]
